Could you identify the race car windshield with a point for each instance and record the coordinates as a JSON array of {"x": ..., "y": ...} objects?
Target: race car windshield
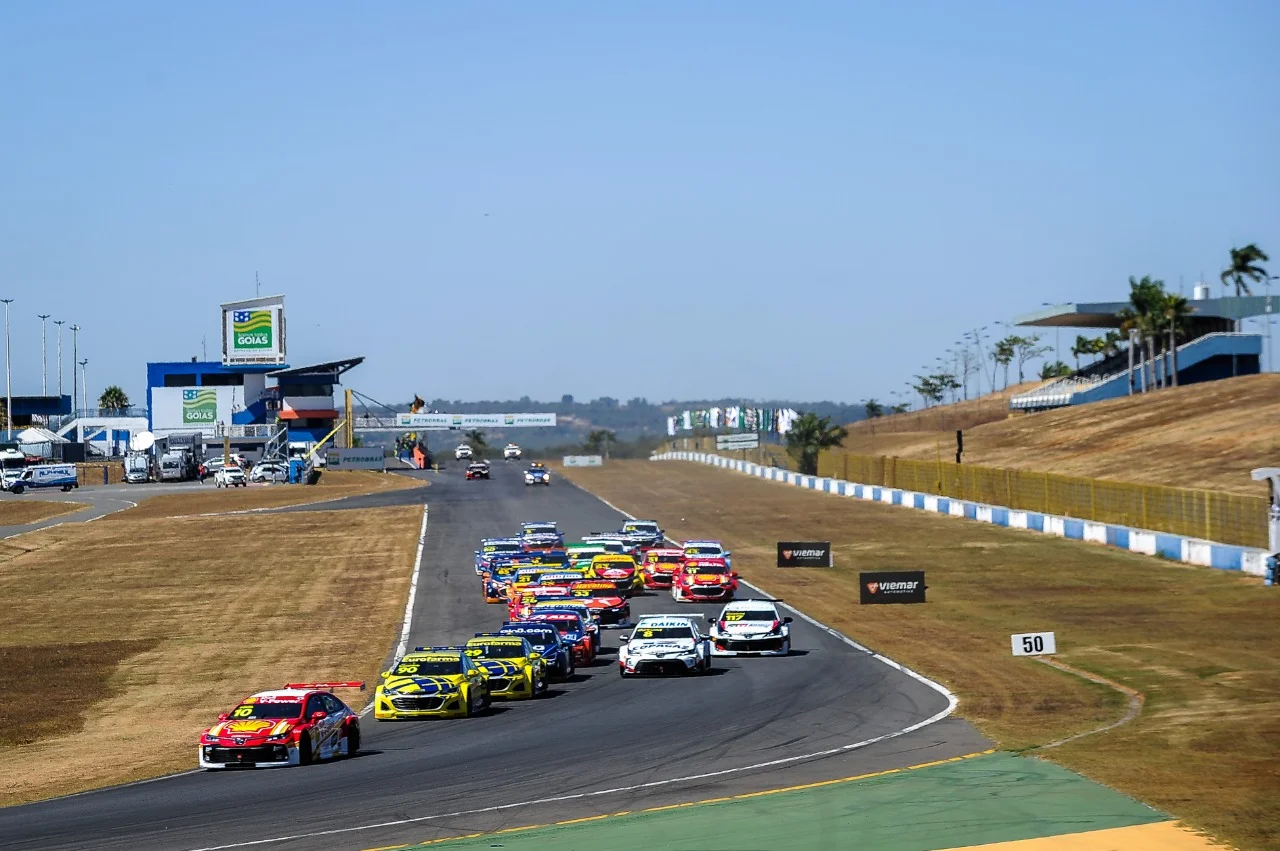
[
  {"x": 648, "y": 528},
  {"x": 496, "y": 651},
  {"x": 595, "y": 592},
  {"x": 665, "y": 559},
  {"x": 565, "y": 624},
  {"x": 703, "y": 570},
  {"x": 267, "y": 711},
  {"x": 429, "y": 669},
  {"x": 704, "y": 551},
  {"x": 646, "y": 632},
  {"x": 754, "y": 615},
  {"x": 502, "y": 548},
  {"x": 539, "y": 530}
]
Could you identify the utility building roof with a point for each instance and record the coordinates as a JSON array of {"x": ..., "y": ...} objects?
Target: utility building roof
[{"x": 1106, "y": 314}]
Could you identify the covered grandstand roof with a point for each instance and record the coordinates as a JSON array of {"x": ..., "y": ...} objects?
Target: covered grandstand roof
[
  {"x": 330, "y": 370},
  {"x": 1105, "y": 314}
]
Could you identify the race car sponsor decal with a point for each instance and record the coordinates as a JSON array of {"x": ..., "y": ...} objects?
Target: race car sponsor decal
[
  {"x": 247, "y": 727},
  {"x": 734, "y": 616}
]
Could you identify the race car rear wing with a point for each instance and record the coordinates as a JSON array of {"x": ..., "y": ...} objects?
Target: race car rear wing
[{"x": 326, "y": 686}]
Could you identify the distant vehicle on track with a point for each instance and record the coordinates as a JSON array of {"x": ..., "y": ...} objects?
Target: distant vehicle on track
[{"x": 511, "y": 452}]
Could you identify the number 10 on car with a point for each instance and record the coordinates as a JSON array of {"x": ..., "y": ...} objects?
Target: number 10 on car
[{"x": 1034, "y": 644}]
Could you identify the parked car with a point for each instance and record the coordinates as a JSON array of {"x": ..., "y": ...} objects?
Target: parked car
[
  {"x": 230, "y": 477},
  {"x": 269, "y": 471}
]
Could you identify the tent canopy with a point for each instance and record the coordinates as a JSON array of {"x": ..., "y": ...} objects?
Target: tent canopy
[{"x": 36, "y": 434}]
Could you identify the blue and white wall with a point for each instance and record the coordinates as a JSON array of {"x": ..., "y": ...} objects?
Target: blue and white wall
[{"x": 1176, "y": 547}]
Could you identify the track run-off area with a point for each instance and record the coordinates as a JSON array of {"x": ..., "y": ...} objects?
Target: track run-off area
[{"x": 598, "y": 746}]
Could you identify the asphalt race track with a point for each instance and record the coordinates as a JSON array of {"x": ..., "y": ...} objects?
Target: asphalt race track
[{"x": 597, "y": 745}]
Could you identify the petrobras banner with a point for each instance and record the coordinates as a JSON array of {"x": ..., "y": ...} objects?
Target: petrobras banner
[
  {"x": 253, "y": 331},
  {"x": 583, "y": 461},
  {"x": 358, "y": 458},
  {"x": 447, "y": 421},
  {"x": 762, "y": 420}
]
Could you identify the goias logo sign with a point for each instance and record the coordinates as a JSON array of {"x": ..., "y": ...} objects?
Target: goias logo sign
[{"x": 905, "y": 586}]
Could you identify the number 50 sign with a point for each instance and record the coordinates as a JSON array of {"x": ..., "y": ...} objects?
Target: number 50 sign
[{"x": 1033, "y": 644}]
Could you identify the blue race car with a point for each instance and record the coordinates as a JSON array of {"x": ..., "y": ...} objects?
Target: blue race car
[
  {"x": 544, "y": 638},
  {"x": 492, "y": 548}
]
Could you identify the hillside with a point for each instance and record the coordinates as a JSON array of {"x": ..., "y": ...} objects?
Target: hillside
[{"x": 1203, "y": 436}]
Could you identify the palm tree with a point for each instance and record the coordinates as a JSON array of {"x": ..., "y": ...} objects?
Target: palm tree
[
  {"x": 874, "y": 409},
  {"x": 900, "y": 408},
  {"x": 113, "y": 399},
  {"x": 1083, "y": 346},
  {"x": 1244, "y": 268},
  {"x": 599, "y": 440},
  {"x": 476, "y": 438},
  {"x": 1002, "y": 353},
  {"x": 1174, "y": 310},
  {"x": 809, "y": 435}
]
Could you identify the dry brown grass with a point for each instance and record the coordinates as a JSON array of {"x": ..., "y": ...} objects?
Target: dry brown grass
[
  {"x": 1198, "y": 643},
  {"x": 210, "y": 500},
  {"x": 173, "y": 620},
  {"x": 20, "y": 511},
  {"x": 1199, "y": 436}
]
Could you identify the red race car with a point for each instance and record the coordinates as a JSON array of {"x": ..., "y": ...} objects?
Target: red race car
[
  {"x": 659, "y": 564},
  {"x": 573, "y": 631},
  {"x": 295, "y": 725},
  {"x": 701, "y": 580},
  {"x": 604, "y": 599}
]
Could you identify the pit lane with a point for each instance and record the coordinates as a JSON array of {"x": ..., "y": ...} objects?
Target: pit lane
[{"x": 598, "y": 745}]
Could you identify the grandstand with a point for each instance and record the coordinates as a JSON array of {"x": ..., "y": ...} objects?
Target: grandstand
[{"x": 1210, "y": 350}]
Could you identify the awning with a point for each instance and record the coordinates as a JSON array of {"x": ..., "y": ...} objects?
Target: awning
[{"x": 292, "y": 414}]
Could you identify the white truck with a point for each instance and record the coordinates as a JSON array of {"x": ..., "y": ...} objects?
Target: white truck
[
  {"x": 137, "y": 467},
  {"x": 43, "y": 476}
]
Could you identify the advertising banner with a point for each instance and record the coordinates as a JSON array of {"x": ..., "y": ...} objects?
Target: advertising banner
[
  {"x": 358, "y": 458},
  {"x": 583, "y": 461},
  {"x": 899, "y": 586},
  {"x": 804, "y": 554},
  {"x": 253, "y": 331},
  {"x": 737, "y": 441},
  {"x": 190, "y": 409},
  {"x": 447, "y": 421}
]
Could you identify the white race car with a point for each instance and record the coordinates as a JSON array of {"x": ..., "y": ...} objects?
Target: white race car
[
  {"x": 750, "y": 627},
  {"x": 664, "y": 644},
  {"x": 462, "y": 451},
  {"x": 511, "y": 452}
]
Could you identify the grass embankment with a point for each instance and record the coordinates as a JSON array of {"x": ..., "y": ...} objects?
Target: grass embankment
[
  {"x": 140, "y": 631},
  {"x": 1199, "y": 436},
  {"x": 20, "y": 511},
  {"x": 1197, "y": 643},
  {"x": 207, "y": 499}
]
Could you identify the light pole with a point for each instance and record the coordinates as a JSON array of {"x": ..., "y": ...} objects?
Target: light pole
[
  {"x": 8, "y": 388},
  {"x": 44, "y": 353},
  {"x": 1267, "y": 311},
  {"x": 84, "y": 384},
  {"x": 59, "y": 323},
  {"x": 75, "y": 353}
]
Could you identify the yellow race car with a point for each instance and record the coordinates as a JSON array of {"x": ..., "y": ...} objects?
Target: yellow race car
[
  {"x": 432, "y": 682},
  {"x": 516, "y": 671}
]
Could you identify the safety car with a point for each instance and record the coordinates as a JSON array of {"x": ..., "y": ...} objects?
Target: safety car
[
  {"x": 462, "y": 452},
  {"x": 603, "y": 598},
  {"x": 511, "y": 452},
  {"x": 537, "y": 474},
  {"x": 659, "y": 565},
  {"x": 750, "y": 627},
  {"x": 295, "y": 725},
  {"x": 516, "y": 671},
  {"x": 573, "y": 631},
  {"x": 432, "y": 682},
  {"x": 701, "y": 580},
  {"x": 664, "y": 644},
  {"x": 478, "y": 470},
  {"x": 545, "y": 639}
]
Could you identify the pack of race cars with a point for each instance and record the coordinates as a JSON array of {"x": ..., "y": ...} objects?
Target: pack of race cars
[{"x": 558, "y": 597}]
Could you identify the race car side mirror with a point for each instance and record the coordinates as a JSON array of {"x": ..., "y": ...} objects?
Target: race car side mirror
[
  {"x": 786, "y": 620},
  {"x": 535, "y": 655},
  {"x": 711, "y": 618},
  {"x": 224, "y": 716},
  {"x": 319, "y": 714},
  {"x": 386, "y": 674},
  {"x": 622, "y": 640}
]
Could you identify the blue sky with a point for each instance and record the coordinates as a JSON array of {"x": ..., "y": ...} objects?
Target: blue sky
[{"x": 670, "y": 200}]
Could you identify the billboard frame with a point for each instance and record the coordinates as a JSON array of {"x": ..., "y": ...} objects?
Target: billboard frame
[{"x": 279, "y": 354}]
